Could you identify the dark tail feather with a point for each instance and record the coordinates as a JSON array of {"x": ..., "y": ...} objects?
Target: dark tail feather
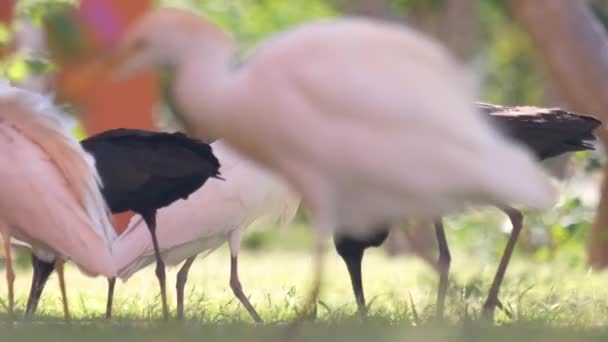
[{"x": 547, "y": 132}]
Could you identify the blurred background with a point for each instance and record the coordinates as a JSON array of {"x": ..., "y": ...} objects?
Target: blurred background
[{"x": 510, "y": 71}]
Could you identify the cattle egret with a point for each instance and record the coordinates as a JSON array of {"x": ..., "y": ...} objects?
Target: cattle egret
[
  {"x": 369, "y": 122},
  {"x": 547, "y": 132},
  {"x": 143, "y": 171},
  {"x": 218, "y": 212},
  {"x": 50, "y": 198}
]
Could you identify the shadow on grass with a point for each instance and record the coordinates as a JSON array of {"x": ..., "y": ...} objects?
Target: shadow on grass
[{"x": 352, "y": 330}]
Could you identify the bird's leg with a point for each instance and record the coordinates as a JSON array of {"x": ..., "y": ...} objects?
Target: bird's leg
[
  {"x": 516, "y": 218},
  {"x": 35, "y": 280},
  {"x": 443, "y": 267},
  {"x": 10, "y": 275},
  {"x": 234, "y": 242},
  {"x": 324, "y": 227},
  {"x": 110, "y": 300},
  {"x": 356, "y": 278},
  {"x": 41, "y": 272},
  {"x": 180, "y": 284},
  {"x": 59, "y": 268},
  {"x": 318, "y": 269},
  {"x": 352, "y": 254},
  {"x": 235, "y": 285},
  {"x": 150, "y": 219}
]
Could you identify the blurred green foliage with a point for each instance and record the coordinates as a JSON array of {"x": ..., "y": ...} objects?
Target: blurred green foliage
[
  {"x": 509, "y": 71},
  {"x": 252, "y": 20}
]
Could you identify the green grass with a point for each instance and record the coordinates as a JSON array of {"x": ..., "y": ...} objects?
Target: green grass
[
  {"x": 556, "y": 300},
  {"x": 344, "y": 331}
]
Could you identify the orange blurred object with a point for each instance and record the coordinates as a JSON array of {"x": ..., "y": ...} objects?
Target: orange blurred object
[
  {"x": 7, "y": 9},
  {"x": 108, "y": 104},
  {"x": 121, "y": 221}
]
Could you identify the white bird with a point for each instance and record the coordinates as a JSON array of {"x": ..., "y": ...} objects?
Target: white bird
[
  {"x": 218, "y": 212},
  {"x": 353, "y": 113}
]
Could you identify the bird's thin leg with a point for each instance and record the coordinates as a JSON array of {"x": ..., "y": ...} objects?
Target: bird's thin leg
[
  {"x": 41, "y": 272},
  {"x": 318, "y": 269},
  {"x": 35, "y": 280},
  {"x": 356, "y": 278},
  {"x": 180, "y": 284},
  {"x": 59, "y": 268},
  {"x": 324, "y": 227},
  {"x": 235, "y": 285},
  {"x": 313, "y": 295},
  {"x": 110, "y": 300},
  {"x": 10, "y": 275},
  {"x": 150, "y": 219},
  {"x": 516, "y": 218},
  {"x": 443, "y": 267},
  {"x": 353, "y": 258}
]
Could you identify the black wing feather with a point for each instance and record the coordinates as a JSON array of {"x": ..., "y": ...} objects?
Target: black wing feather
[
  {"x": 143, "y": 170},
  {"x": 548, "y": 132}
]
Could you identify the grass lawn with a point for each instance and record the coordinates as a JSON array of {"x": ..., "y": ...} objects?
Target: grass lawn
[{"x": 549, "y": 301}]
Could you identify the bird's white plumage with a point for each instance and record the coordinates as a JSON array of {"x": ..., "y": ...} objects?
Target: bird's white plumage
[
  {"x": 43, "y": 104},
  {"x": 215, "y": 213},
  {"x": 370, "y": 122}
]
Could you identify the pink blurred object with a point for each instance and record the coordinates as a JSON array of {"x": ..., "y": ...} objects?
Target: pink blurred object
[{"x": 50, "y": 197}]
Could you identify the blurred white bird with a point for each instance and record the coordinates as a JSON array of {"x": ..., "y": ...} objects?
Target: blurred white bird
[
  {"x": 369, "y": 122},
  {"x": 218, "y": 212},
  {"x": 50, "y": 197}
]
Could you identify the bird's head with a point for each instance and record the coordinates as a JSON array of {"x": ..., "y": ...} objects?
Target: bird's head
[
  {"x": 156, "y": 40},
  {"x": 160, "y": 39}
]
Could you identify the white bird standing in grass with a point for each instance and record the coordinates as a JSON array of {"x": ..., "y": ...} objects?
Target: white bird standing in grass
[
  {"x": 369, "y": 122},
  {"x": 218, "y": 212},
  {"x": 50, "y": 197}
]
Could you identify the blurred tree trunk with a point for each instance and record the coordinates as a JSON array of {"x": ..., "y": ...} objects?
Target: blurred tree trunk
[
  {"x": 459, "y": 27},
  {"x": 454, "y": 22},
  {"x": 7, "y": 9},
  {"x": 370, "y": 8},
  {"x": 574, "y": 47},
  {"x": 425, "y": 16}
]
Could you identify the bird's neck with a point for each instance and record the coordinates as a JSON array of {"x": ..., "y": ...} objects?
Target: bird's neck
[{"x": 204, "y": 89}]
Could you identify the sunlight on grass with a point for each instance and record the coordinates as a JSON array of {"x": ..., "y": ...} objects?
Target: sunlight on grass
[
  {"x": 276, "y": 282},
  {"x": 539, "y": 295}
]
